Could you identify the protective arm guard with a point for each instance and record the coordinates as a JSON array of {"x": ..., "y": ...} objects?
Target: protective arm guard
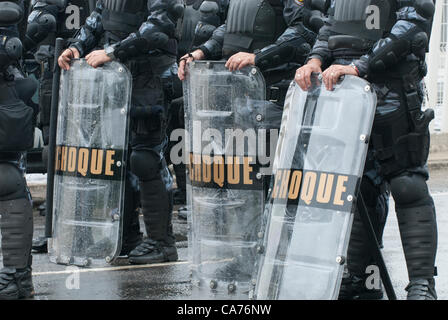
[
  {"x": 10, "y": 51},
  {"x": 90, "y": 33},
  {"x": 291, "y": 47},
  {"x": 409, "y": 35},
  {"x": 155, "y": 33},
  {"x": 389, "y": 51}
]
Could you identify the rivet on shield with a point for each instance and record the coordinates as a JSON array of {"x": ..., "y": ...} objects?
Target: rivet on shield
[
  {"x": 350, "y": 198},
  {"x": 85, "y": 263},
  {"x": 213, "y": 284},
  {"x": 259, "y": 117},
  {"x": 108, "y": 259},
  {"x": 254, "y": 71},
  {"x": 259, "y": 176},
  {"x": 260, "y": 250},
  {"x": 118, "y": 164},
  {"x": 260, "y": 235},
  {"x": 116, "y": 217},
  {"x": 367, "y": 88},
  {"x": 231, "y": 287},
  {"x": 120, "y": 69},
  {"x": 363, "y": 137},
  {"x": 340, "y": 260},
  {"x": 123, "y": 111}
]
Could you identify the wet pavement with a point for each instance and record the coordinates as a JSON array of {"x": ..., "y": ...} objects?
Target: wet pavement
[{"x": 172, "y": 280}]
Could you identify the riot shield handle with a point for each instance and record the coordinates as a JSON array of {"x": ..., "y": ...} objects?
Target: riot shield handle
[{"x": 59, "y": 45}]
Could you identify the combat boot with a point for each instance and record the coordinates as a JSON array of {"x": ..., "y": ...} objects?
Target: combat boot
[
  {"x": 150, "y": 251},
  {"x": 40, "y": 245},
  {"x": 421, "y": 289},
  {"x": 16, "y": 284}
]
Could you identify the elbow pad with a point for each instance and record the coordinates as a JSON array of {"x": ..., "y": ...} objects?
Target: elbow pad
[
  {"x": 10, "y": 51},
  {"x": 10, "y": 13},
  {"x": 389, "y": 51},
  {"x": 39, "y": 29},
  {"x": 140, "y": 43}
]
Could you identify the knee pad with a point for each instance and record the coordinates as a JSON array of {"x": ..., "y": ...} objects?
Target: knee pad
[
  {"x": 12, "y": 183},
  {"x": 145, "y": 165},
  {"x": 410, "y": 189}
]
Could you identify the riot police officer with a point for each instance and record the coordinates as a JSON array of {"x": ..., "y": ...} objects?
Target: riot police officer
[
  {"x": 16, "y": 121},
  {"x": 200, "y": 20},
  {"x": 277, "y": 42},
  {"x": 142, "y": 35},
  {"x": 392, "y": 57},
  {"x": 48, "y": 20}
]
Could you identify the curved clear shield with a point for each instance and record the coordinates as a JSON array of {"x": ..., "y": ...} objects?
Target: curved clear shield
[
  {"x": 91, "y": 152},
  {"x": 318, "y": 164},
  {"x": 226, "y": 122}
]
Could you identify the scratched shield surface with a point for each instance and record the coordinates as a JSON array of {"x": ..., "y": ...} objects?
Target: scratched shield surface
[
  {"x": 225, "y": 114},
  {"x": 319, "y": 161},
  {"x": 92, "y": 143}
]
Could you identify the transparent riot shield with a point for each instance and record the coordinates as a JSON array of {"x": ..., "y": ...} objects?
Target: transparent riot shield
[
  {"x": 91, "y": 153},
  {"x": 227, "y": 128},
  {"x": 318, "y": 166}
]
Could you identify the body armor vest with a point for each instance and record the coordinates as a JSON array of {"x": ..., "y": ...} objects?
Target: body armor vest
[
  {"x": 253, "y": 25},
  {"x": 368, "y": 20},
  {"x": 124, "y": 16}
]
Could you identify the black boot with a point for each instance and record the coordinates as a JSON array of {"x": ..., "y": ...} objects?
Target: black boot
[
  {"x": 421, "y": 289},
  {"x": 150, "y": 251},
  {"x": 157, "y": 212},
  {"x": 16, "y": 284},
  {"x": 40, "y": 245}
]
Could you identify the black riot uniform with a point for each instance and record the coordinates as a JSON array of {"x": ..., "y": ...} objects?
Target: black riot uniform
[
  {"x": 275, "y": 30},
  {"x": 200, "y": 20},
  {"x": 141, "y": 34},
  {"x": 16, "y": 137},
  {"x": 392, "y": 57}
]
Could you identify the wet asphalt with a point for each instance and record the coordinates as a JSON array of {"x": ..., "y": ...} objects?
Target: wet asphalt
[{"x": 171, "y": 281}]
